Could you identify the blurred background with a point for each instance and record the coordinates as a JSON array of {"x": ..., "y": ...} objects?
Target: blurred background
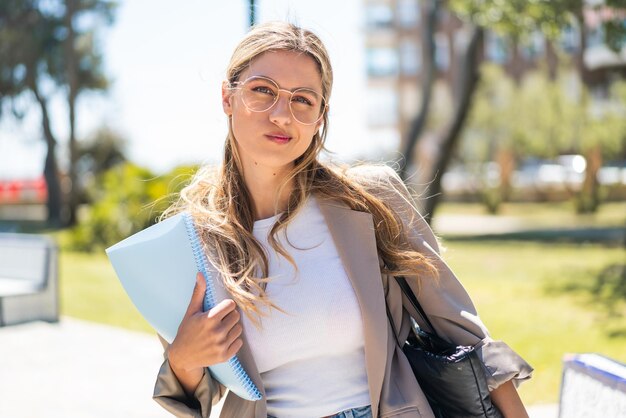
[{"x": 506, "y": 118}]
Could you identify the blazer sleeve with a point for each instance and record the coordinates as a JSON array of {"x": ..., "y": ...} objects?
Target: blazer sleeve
[
  {"x": 444, "y": 298},
  {"x": 169, "y": 393}
]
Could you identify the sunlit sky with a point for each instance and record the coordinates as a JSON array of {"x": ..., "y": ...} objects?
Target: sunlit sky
[{"x": 167, "y": 60}]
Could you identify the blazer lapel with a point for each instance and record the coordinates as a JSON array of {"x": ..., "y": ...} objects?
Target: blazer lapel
[{"x": 353, "y": 235}]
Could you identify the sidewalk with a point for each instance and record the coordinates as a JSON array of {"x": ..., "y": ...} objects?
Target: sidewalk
[
  {"x": 476, "y": 227},
  {"x": 476, "y": 224},
  {"x": 79, "y": 369}
]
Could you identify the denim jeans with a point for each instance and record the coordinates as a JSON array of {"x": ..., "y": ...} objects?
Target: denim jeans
[{"x": 360, "y": 412}]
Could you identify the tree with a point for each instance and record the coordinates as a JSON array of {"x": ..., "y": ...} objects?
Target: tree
[
  {"x": 601, "y": 134},
  {"x": 513, "y": 19},
  {"x": 126, "y": 199},
  {"x": 83, "y": 71},
  {"x": 29, "y": 51},
  {"x": 517, "y": 19},
  {"x": 543, "y": 118},
  {"x": 99, "y": 153},
  {"x": 490, "y": 132},
  {"x": 43, "y": 51}
]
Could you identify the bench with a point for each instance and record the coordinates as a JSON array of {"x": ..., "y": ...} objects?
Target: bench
[
  {"x": 592, "y": 386},
  {"x": 28, "y": 279}
]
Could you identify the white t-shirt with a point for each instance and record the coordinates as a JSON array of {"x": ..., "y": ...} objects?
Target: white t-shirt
[{"x": 311, "y": 359}]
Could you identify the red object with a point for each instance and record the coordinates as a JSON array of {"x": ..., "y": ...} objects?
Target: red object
[{"x": 23, "y": 191}]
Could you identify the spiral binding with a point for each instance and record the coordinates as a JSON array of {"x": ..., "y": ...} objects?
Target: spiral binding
[{"x": 209, "y": 302}]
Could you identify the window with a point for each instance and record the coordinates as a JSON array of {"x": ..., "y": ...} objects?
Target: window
[
  {"x": 382, "y": 62},
  {"x": 408, "y": 13},
  {"x": 378, "y": 16},
  {"x": 410, "y": 59},
  {"x": 442, "y": 52}
]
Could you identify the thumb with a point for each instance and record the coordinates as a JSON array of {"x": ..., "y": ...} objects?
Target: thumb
[{"x": 197, "y": 297}]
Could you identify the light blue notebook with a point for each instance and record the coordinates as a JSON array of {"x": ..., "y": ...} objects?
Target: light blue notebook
[{"x": 158, "y": 267}]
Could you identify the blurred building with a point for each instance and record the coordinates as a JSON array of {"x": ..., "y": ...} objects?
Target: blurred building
[
  {"x": 394, "y": 59},
  {"x": 23, "y": 191},
  {"x": 23, "y": 199}
]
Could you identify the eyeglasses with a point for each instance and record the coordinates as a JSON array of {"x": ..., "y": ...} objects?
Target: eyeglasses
[{"x": 260, "y": 94}]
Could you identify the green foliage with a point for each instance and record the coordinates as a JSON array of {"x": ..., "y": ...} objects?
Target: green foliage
[
  {"x": 618, "y": 95},
  {"x": 548, "y": 115},
  {"x": 126, "y": 199},
  {"x": 604, "y": 124},
  {"x": 532, "y": 119},
  {"x": 518, "y": 18},
  {"x": 99, "y": 153},
  {"x": 33, "y": 35},
  {"x": 30, "y": 47},
  {"x": 615, "y": 33},
  {"x": 492, "y": 199},
  {"x": 542, "y": 118}
]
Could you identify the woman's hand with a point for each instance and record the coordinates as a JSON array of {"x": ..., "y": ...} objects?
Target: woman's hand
[{"x": 204, "y": 338}]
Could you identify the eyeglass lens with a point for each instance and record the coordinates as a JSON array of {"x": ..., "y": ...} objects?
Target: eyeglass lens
[{"x": 260, "y": 94}]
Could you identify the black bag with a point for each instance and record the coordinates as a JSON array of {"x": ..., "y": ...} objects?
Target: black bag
[{"x": 451, "y": 376}]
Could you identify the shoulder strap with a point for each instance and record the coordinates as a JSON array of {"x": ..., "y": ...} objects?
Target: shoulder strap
[
  {"x": 393, "y": 326},
  {"x": 411, "y": 296}
]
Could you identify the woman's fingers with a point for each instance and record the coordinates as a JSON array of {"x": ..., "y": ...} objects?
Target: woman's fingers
[
  {"x": 197, "y": 297},
  {"x": 230, "y": 320},
  {"x": 219, "y": 311},
  {"x": 234, "y": 348},
  {"x": 233, "y": 334},
  {"x": 206, "y": 338}
]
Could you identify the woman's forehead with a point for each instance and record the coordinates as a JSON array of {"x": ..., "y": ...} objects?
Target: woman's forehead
[{"x": 290, "y": 69}]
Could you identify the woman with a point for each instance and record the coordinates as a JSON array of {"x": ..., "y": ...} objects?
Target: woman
[{"x": 308, "y": 253}]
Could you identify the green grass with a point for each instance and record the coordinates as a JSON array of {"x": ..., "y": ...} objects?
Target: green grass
[
  {"x": 90, "y": 290},
  {"x": 552, "y": 215},
  {"x": 529, "y": 295}
]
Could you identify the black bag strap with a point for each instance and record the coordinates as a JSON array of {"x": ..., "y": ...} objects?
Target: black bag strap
[
  {"x": 393, "y": 326},
  {"x": 411, "y": 296}
]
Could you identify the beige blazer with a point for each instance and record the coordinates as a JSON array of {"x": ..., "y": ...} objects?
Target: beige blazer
[{"x": 393, "y": 389}]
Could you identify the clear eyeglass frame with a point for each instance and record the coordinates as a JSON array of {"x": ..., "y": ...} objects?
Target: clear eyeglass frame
[{"x": 239, "y": 85}]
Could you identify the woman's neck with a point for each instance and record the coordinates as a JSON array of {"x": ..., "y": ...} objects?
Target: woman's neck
[{"x": 263, "y": 185}]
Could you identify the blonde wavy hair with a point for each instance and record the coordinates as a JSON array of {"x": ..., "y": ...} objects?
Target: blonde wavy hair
[{"x": 221, "y": 205}]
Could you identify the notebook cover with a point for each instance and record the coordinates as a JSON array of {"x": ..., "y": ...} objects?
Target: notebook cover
[{"x": 157, "y": 267}]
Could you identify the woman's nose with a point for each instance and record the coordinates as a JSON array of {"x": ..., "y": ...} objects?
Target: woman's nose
[{"x": 281, "y": 112}]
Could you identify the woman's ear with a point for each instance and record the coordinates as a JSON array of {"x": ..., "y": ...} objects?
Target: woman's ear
[{"x": 227, "y": 95}]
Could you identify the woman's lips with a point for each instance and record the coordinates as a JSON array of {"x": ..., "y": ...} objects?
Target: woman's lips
[{"x": 280, "y": 139}]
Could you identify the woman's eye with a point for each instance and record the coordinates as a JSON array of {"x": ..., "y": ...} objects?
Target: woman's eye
[
  {"x": 303, "y": 100},
  {"x": 263, "y": 89}
]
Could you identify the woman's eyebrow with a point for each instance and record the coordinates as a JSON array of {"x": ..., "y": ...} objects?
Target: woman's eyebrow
[{"x": 279, "y": 85}]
